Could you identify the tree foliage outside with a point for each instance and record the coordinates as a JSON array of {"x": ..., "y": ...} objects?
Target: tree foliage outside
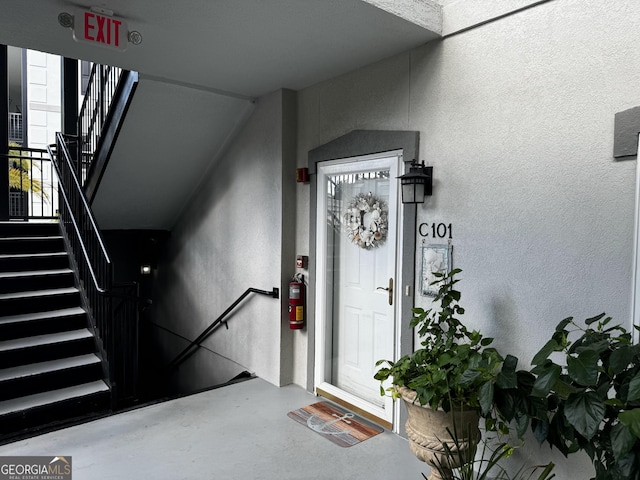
[{"x": 20, "y": 172}]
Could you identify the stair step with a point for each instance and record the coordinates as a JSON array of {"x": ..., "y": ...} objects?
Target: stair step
[
  {"x": 21, "y": 404},
  {"x": 33, "y": 369},
  {"x": 32, "y": 378},
  {"x": 33, "y": 261},
  {"x": 40, "y": 323},
  {"x": 35, "y": 280},
  {"x": 31, "y": 244},
  {"x": 50, "y": 372},
  {"x": 41, "y": 348},
  {"x": 49, "y": 315},
  {"x": 40, "y": 340},
  {"x": 34, "y": 238},
  {"x": 21, "y": 229},
  {"x": 38, "y": 293},
  {"x": 31, "y": 255},
  {"x": 34, "y": 273},
  {"x": 14, "y": 303}
]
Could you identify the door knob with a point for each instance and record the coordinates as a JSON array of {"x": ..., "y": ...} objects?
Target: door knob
[{"x": 389, "y": 289}]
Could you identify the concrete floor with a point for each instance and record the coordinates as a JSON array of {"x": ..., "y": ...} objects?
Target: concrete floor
[{"x": 237, "y": 432}]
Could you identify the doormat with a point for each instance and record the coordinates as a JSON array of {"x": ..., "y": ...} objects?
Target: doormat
[{"x": 339, "y": 426}]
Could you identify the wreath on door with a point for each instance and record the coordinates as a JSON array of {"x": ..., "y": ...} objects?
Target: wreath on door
[{"x": 367, "y": 221}]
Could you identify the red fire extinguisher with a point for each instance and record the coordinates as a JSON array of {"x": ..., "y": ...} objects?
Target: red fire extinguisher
[{"x": 296, "y": 302}]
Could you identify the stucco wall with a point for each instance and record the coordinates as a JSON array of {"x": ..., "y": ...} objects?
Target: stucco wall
[
  {"x": 230, "y": 238},
  {"x": 516, "y": 116}
]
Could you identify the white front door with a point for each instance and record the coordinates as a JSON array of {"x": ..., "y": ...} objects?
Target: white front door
[{"x": 356, "y": 298}]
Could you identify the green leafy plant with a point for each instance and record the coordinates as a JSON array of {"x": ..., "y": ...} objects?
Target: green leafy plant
[
  {"x": 20, "y": 177},
  {"x": 488, "y": 466},
  {"x": 460, "y": 463},
  {"x": 456, "y": 367},
  {"x": 590, "y": 401}
]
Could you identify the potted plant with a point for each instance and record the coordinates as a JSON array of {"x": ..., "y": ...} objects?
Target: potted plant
[
  {"x": 591, "y": 398},
  {"x": 455, "y": 375}
]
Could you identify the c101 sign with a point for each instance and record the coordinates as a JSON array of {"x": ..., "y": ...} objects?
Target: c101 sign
[
  {"x": 97, "y": 28},
  {"x": 435, "y": 230}
]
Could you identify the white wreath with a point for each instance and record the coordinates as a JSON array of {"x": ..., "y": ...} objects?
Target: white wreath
[{"x": 367, "y": 221}]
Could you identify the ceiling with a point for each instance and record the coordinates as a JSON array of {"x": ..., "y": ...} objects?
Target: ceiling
[
  {"x": 160, "y": 159},
  {"x": 202, "y": 62},
  {"x": 244, "y": 47}
]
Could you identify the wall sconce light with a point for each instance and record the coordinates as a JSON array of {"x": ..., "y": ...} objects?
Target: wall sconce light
[
  {"x": 145, "y": 269},
  {"x": 417, "y": 183}
]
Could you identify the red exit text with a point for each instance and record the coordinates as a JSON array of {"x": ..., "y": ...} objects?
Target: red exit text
[{"x": 102, "y": 30}]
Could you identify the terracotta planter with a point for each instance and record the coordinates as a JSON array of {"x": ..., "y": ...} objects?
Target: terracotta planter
[{"x": 428, "y": 432}]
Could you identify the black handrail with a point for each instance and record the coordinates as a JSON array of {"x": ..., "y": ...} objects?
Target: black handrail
[
  {"x": 195, "y": 344},
  {"x": 79, "y": 207},
  {"x": 115, "y": 327}
]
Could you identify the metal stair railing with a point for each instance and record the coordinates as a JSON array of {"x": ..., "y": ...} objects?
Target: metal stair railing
[
  {"x": 195, "y": 344},
  {"x": 114, "y": 325},
  {"x": 100, "y": 91},
  {"x": 106, "y": 100},
  {"x": 33, "y": 188}
]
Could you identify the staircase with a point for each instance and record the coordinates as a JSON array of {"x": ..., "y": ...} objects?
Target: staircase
[{"x": 49, "y": 372}]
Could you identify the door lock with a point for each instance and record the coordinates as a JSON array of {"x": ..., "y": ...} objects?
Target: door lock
[{"x": 389, "y": 289}]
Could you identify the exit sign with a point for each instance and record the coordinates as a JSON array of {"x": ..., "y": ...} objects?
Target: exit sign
[{"x": 99, "y": 27}]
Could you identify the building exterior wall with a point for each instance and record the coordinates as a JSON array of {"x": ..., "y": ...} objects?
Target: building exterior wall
[
  {"x": 43, "y": 98},
  {"x": 516, "y": 116},
  {"x": 44, "y": 119}
]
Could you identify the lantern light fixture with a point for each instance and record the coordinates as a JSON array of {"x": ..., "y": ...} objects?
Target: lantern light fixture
[{"x": 417, "y": 183}]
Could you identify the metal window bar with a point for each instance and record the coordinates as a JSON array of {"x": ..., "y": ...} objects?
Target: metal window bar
[{"x": 15, "y": 128}]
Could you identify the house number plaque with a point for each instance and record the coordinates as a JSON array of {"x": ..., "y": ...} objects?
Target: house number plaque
[{"x": 435, "y": 230}]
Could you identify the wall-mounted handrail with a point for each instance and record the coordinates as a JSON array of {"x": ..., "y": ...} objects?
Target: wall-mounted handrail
[{"x": 195, "y": 344}]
